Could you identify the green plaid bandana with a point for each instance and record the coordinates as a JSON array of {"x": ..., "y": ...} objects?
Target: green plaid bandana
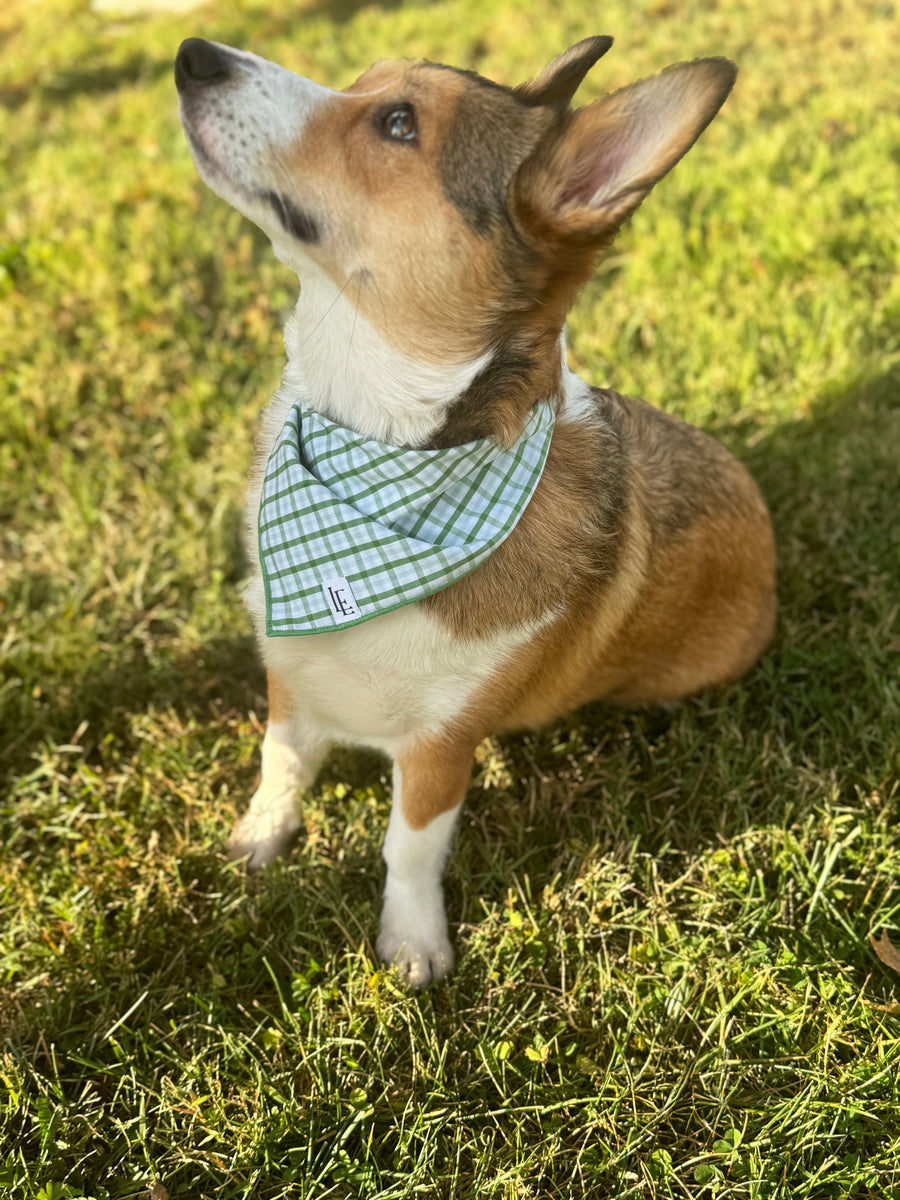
[{"x": 350, "y": 528}]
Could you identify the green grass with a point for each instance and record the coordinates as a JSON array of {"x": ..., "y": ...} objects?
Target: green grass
[{"x": 665, "y": 985}]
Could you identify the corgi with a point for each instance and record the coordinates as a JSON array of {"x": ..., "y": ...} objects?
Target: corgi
[{"x": 441, "y": 226}]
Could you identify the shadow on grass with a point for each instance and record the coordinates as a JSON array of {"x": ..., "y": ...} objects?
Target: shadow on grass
[{"x": 110, "y": 690}]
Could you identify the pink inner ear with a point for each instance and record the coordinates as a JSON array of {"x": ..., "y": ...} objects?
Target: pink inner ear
[
  {"x": 595, "y": 178},
  {"x": 614, "y": 150}
]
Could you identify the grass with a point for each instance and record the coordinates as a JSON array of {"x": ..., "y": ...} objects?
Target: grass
[{"x": 665, "y": 986}]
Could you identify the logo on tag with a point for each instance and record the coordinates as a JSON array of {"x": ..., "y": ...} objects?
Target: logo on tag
[{"x": 340, "y": 600}]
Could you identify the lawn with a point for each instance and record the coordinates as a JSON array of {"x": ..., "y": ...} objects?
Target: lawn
[{"x": 666, "y": 986}]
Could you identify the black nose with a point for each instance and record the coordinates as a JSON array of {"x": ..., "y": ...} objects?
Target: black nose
[{"x": 199, "y": 61}]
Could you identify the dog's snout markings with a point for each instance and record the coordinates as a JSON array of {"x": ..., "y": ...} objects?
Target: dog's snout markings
[
  {"x": 512, "y": 543},
  {"x": 293, "y": 220}
]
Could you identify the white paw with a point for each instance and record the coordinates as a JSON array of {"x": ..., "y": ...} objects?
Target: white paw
[
  {"x": 414, "y": 939},
  {"x": 261, "y": 837},
  {"x": 420, "y": 962}
]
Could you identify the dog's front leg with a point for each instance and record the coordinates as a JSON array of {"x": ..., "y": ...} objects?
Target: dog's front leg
[
  {"x": 430, "y": 784},
  {"x": 292, "y": 753}
]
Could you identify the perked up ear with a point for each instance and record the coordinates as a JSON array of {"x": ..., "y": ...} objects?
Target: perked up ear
[
  {"x": 561, "y": 79},
  {"x": 610, "y": 154}
]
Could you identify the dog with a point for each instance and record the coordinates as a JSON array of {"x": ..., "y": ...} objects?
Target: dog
[{"x": 442, "y": 226}]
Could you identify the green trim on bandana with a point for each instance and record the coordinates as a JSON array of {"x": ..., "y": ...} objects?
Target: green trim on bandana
[{"x": 350, "y": 528}]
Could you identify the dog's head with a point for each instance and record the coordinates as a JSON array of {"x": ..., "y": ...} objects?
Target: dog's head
[{"x": 464, "y": 214}]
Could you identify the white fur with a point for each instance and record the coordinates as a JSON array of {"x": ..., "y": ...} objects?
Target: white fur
[
  {"x": 291, "y": 756},
  {"x": 338, "y": 362},
  {"x": 579, "y": 404},
  {"x": 388, "y": 682},
  {"x": 241, "y": 128},
  {"x": 413, "y": 923},
  {"x": 341, "y": 365}
]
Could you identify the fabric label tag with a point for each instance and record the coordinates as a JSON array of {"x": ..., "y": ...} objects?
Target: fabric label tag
[{"x": 340, "y": 600}]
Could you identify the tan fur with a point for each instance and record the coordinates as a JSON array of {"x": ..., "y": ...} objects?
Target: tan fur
[
  {"x": 526, "y": 575},
  {"x": 651, "y": 612},
  {"x": 642, "y": 569},
  {"x": 281, "y": 702},
  {"x": 658, "y": 607},
  {"x": 435, "y": 777},
  {"x": 705, "y": 615},
  {"x": 425, "y": 313}
]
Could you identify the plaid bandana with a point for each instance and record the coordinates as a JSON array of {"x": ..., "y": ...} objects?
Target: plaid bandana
[{"x": 350, "y": 528}]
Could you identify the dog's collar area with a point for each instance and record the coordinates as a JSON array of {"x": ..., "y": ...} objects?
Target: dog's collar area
[{"x": 351, "y": 528}]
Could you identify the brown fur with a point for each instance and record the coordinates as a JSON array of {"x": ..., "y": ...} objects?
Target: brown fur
[
  {"x": 424, "y": 313},
  {"x": 561, "y": 78},
  {"x": 650, "y": 540},
  {"x": 435, "y": 776},
  {"x": 643, "y": 567},
  {"x": 566, "y": 544},
  {"x": 659, "y": 545}
]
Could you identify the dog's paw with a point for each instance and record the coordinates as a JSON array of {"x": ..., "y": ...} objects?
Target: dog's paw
[
  {"x": 419, "y": 962},
  {"x": 415, "y": 942},
  {"x": 260, "y": 838}
]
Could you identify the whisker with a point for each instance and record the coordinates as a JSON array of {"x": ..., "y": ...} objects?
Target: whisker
[
  {"x": 359, "y": 278},
  {"x": 329, "y": 308}
]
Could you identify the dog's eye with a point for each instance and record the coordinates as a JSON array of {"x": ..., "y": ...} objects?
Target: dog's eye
[{"x": 398, "y": 123}]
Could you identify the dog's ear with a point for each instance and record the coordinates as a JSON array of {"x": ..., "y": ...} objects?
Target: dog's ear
[
  {"x": 561, "y": 78},
  {"x": 592, "y": 173}
]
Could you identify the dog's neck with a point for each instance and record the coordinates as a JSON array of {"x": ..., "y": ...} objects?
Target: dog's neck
[{"x": 341, "y": 366}]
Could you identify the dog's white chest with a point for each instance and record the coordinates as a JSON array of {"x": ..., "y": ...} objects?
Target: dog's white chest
[{"x": 402, "y": 675}]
